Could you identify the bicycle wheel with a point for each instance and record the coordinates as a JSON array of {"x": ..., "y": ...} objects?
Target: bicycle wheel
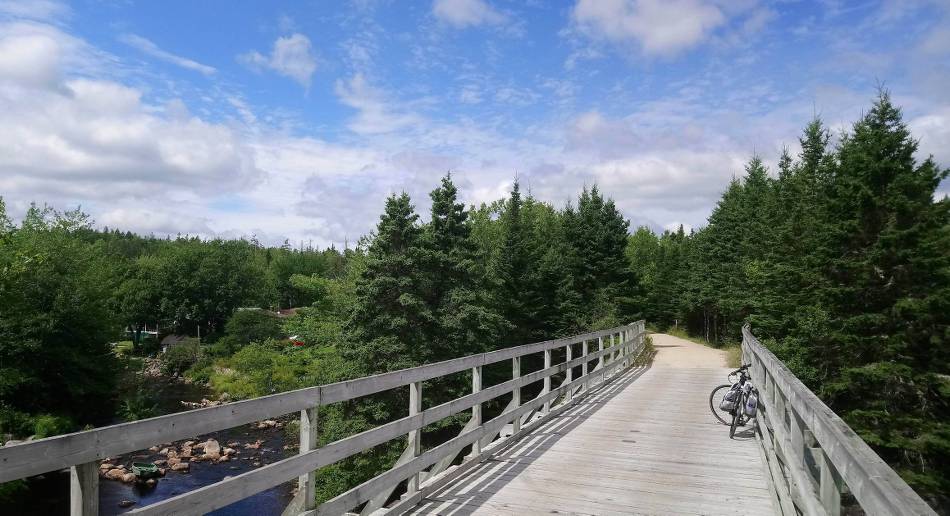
[{"x": 715, "y": 397}]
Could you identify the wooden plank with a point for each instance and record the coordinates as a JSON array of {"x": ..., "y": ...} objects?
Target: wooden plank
[{"x": 619, "y": 458}]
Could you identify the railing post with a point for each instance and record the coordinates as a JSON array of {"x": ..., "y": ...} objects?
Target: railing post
[
  {"x": 584, "y": 351},
  {"x": 477, "y": 408},
  {"x": 600, "y": 359},
  {"x": 84, "y": 489},
  {"x": 829, "y": 482},
  {"x": 796, "y": 435},
  {"x": 547, "y": 380},
  {"x": 308, "y": 442},
  {"x": 415, "y": 436},
  {"x": 516, "y": 393},
  {"x": 569, "y": 352}
]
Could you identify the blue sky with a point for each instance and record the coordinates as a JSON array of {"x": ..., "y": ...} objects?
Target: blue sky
[{"x": 295, "y": 120}]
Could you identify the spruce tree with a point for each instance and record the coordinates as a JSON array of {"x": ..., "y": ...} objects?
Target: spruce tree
[
  {"x": 387, "y": 329},
  {"x": 891, "y": 297}
]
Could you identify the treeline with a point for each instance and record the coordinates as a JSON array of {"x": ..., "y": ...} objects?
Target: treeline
[
  {"x": 842, "y": 264},
  {"x": 68, "y": 290}
]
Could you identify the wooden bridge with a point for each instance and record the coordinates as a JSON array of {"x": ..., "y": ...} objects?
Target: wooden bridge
[{"x": 618, "y": 427}]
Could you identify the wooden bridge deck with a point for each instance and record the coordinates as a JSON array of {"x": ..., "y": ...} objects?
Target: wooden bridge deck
[{"x": 645, "y": 444}]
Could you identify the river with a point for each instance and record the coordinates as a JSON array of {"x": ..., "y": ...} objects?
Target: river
[{"x": 49, "y": 494}]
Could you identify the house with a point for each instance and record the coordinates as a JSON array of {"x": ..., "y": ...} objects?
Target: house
[{"x": 172, "y": 340}]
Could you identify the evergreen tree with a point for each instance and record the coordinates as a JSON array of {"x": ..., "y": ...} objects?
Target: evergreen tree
[
  {"x": 387, "y": 329},
  {"x": 891, "y": 297}
]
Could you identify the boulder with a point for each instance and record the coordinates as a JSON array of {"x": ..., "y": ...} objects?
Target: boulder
[
  {"x": 151, "y": 482},
  {"x": 182, "y": 466},
  {"x": 126, "y": 503},
  {"x": 189, "y": 443},
  {"x": 253, "y": 446},
  {"x": 172, "y": 454},
  {"x": 115, "y": 474},
  {"x": 185, "y": 452},
  {"x": 161, "y": 472},
  {"x": 229, "y": 451},
  {"x": 128, "y": 478},
  {"x": 160, "y": 462},
  {"x": 105, "y": 466},
  {"x": 256, "y": 464},
  {"x": 172, "y": 461},
  {"x": 163, "y": 451},
  {"x": 153, "y": 449},
  {"x": 233, "y": 444},
  {"x": 223, "y": 458}
]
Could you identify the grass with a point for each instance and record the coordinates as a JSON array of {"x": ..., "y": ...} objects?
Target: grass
[{"x": 733, "y": 351}]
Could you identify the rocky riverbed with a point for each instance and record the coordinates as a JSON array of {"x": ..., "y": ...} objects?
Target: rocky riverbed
[{"x": 192, "y": 463}]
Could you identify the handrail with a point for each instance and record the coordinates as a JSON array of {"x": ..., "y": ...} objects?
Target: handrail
[
  {"x": 81, "y": 450},
  {"x": 815, "y": 450}
]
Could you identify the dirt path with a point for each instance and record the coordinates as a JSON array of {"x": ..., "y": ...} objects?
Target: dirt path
[{"x": 676, "y": 352}]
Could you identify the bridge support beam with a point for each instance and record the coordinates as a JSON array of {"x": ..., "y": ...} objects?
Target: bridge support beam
[
  {"x": 569, "y": 351},
  {"x": 309, "y": 419}
]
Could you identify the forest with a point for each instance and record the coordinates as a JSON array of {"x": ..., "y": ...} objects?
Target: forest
[{"x": 839, "y": 260}]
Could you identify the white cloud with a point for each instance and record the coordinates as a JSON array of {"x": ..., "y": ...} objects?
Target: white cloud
[
  {"x": 466, "y": 13},
  {"x": 33, "y": 9},
  {"x": 292, "y": 56},
  {"x": 153, "y": 50},
  {"x": 66, "y": 137},
  {"x": 659, "y": 27},
  {"x": 376, "y": 114}
]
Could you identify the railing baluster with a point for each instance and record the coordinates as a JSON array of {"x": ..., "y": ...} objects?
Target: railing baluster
[
  {"x": 84, "y": 489},
  {"x": 306, "y": 484},
  {"x": 477, "y": 408},
  {"x": 829, "y": 484},
  {"x": 569, "y": 352},
  {"x": 415, "y": 436},
  {"x": 584, "y": 352},
  {"x": 600, "y": 359},
  {"x": 516, "y": 393},
  {"x": 547, "y": 380}
]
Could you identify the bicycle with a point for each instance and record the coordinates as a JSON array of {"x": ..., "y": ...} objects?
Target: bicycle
[{"x": 738, "y": 400}]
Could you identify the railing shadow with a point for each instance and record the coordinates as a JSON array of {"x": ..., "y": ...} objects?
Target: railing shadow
[{"x": 467, "y": 494}]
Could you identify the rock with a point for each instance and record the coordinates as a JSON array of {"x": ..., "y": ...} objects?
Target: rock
[
  {"x": 172, "y": 454},
  {"x": 233, "y": 444},
  {"x": 185, "y": 452},
  {"x": 253, "y": 446},
  {"x": 233, "y": 467},
  {"x": 229, "y": 451},
  {"x": 153, "y": 449},
  {"x": 224, "y": 397},
  {"x": 126, "y": 503},
  {"x": 161, "y": 472},
  {"x": 189, "y": 443},
  {"x": 128, "y": 478},
  {"x": 211, "y": 447},
  {"x": 159, "y": 462},
  {"x": 173, "y": 461},
  {"x": 105, "y": 466},
  {"x": 151, "y": 482},
  {"x": 256, "y": 464},
  {"x": 223, "y": 458},
  {"x": 163, "y": 451},
  {"x": 182, "y": 466},
  {"x": 268, "y": 423}
]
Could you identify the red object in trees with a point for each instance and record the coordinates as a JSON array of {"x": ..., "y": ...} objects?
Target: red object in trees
[{"x": 297, "y": 342}]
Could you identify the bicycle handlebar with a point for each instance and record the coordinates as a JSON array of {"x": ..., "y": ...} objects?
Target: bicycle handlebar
[{"x": 741, "y": 369}]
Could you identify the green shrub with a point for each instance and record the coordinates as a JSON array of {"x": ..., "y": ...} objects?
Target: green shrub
[
  {"x": 140, "y": 405},
  {"x": 48, "y": 425},
  {"x": 181, "y": 356},
  {"x": 247, "y": 326}
]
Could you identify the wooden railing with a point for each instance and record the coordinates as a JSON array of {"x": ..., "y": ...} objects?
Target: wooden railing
[
  {"x": 616, "y": 349},
  {"x": 811, "y": 454}
]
